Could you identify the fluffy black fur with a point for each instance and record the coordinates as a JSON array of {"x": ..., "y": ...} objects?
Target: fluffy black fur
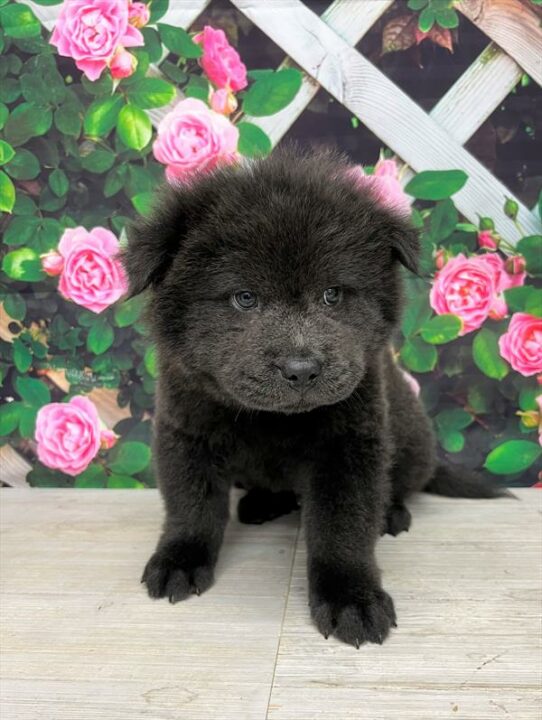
[{"x": 353, "y": 442}]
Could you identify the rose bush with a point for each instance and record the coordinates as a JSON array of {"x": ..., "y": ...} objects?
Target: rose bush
[{"x": 80, "y": 157}]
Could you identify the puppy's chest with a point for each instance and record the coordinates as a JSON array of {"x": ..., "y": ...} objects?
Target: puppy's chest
[{"x": 273, "y": 456}]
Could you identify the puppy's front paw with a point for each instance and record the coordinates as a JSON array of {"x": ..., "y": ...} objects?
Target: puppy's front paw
[
  {"x": 178, "y": 569},
  {"x": 398, "y": 519},
  {"x": 368, "y": 618}
]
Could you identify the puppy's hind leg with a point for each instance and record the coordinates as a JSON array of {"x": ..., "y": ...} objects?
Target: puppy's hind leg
[{"x": 260, "y": 505}]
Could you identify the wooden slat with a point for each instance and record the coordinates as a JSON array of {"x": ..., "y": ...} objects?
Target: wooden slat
[
  {"x": 383, "y": 107},
  {"x": 512, "y": 24},
  {"x": 13, "y": 467},
  {"x": 350, "y": 19}
]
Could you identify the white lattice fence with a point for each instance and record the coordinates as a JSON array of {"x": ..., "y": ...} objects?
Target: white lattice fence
[{"x": 324, "y": 47}]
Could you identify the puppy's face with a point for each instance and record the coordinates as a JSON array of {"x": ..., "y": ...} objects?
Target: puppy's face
[{"x": 282, "y": 288}]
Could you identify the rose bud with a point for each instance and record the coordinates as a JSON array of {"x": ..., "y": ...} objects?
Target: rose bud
[
  {"x": 108, "y": 438},
  {"x": 123, "y": 64},
  {"x": 223, "y": 102},
  {"x": 440, "y": 259},
  {"x": 486, "y": 224},
  {"x": 138, "y": 14},
  {"x": 515, "y": 265},
  {"x": 486, "y": 239},
  {"x": 511, "y": 208},
  {"x": 52, "y": 263}
]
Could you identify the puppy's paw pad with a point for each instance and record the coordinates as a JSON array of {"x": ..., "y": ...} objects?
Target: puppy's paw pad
[
  {"x": 367, "y": 620},
  {"x": 398, "y": 520}
]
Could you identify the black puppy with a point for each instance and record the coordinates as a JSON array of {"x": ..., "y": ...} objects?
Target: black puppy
[{"x": 275, "y": 287}]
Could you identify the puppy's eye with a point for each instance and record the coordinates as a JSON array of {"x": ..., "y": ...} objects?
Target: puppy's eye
[
  {"x": 245, "y": 300},
  {"x": 332, "y": 295}
]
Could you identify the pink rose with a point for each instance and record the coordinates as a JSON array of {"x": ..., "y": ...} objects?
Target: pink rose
[
  {"x": 123, "y": 64},
  {"x": 220, "y": 62},
  {"x": 138, "y": 14},
  {"x": 68, "y": 435},
  {"x": 92, "y": 275},
  {"x": 223, "y": 102},
  {"x": 383, "y": 186},
  {"x": 521, "y": 344},
  {"x": 487, "y": 240},
  {"x": 193, "y": 138},
  {"x": 466, "y": 287},
  {"x": 90, "y": 31}
]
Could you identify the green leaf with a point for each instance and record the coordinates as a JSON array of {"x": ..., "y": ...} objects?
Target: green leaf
[
  {"x": 68, "y": 119},
  {"x": 100, "y": 336},
  {"x": 151, "y": 92},
  {"x": 4, "y": 114},
  {"x": 128, "y": 312},
  {"x": 24, "y": 166},
  {"x": 93, "y": 477},
  {"x": 7, "y": 193},
  {"x": 23, "y": 264},
  {"x": 173, "y": 72},
  {"x": 98, "y": 161},
  {"x": 443, "y": 221},
  {"x": 22, "y": 357},
  {"x": 452, "y": 441},
  {"x": 134, "y": 127},
  {"x": 436, "y": 184},
  {"x": 426, "y": 19},
  {"x": 418, "y": 356},
  {"x": 417, "y": 4},
  {"x": 198, "y": 87},
  {"x": 115, "y": 180},
  {"x": 143, "y": 202},
  {"x": 416, "y": 314},
  {"x": 149, "y": 361},
  {"x": 18, "y": 21},
  {"x": 153, "y": 46},
  {"x": 6, "y": 152},
  {"x": 253, "y": 142},
  {"x": 453, "y": 419},
  {"x": 130, "y": 457},
  {"x": 486, "y": 356},
  {"x": 123, "y": 482},
  {"x": 48, "y": 2},
  {"x": 513, "y": 456},
  {"x": 101, "y": 115},
  {"x": 27, "y": 121},
  {"x": 178, "y": 41},
  {"x": 27, "y": 421},
  {"x": 441, "y": 329},
  {"x": 9, "y": 417},
  {"x": 531, "y": 249},
  {"x": 158, "y": 9},
  {"x": 15, "y": 306},
  {"x": 272, "y": 93},
  {"x": 34, "y": 392},
  {"x": 447, "y": 18},
  {"x": 527, "y": 397},
  {"x": 58, "y": 182},
  {"x": 516, "y": 298}
]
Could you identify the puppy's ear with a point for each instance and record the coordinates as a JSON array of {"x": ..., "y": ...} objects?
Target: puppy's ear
[
  {"x": 155, "y": 240},
  {"x": 406, "y": 247}
]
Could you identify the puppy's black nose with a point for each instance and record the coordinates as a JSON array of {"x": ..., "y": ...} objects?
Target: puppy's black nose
[{"x": 300, "y": 371}]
